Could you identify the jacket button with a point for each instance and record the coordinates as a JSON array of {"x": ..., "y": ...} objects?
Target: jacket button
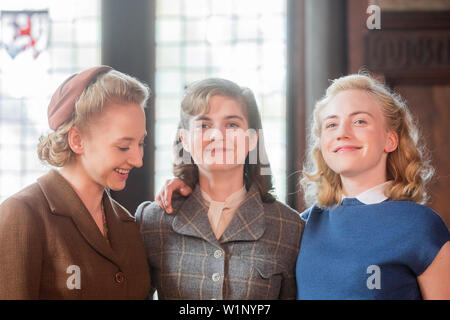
[
  {"x": 216, "y": 277},
  {"x": 217, "y": 254},
  {"x": 119, "y": 277}
]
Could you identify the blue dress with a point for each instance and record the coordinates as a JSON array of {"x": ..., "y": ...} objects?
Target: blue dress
[{"x": 375, "y": 251}]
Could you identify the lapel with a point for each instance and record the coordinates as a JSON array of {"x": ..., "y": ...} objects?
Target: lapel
[
  {"x": 191, "y": 218},
  {"x": 64, "y": 201},
  {"x": 248, "y": 223},
  {"x": 116, "y": 215}
]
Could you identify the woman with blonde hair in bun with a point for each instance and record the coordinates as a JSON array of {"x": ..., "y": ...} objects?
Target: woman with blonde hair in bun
[
  {"x": 368, "y": 234},
  {"x": 64, "y": 237}
]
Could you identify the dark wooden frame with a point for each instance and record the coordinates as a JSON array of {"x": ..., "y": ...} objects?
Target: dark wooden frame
[
  {"x": 411, "y": 48},
  {"x": 128, "y": 37},
  {"x": 295, "y": 101},
  {"x": 298, "y": 110}
]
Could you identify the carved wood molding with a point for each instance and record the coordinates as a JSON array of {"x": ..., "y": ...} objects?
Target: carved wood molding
[{"x": 410, "y": 55}]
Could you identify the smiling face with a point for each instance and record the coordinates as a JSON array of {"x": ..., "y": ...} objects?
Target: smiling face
[
  {"x": 354, "y": 140},
  {"x": 219, "y": 139},
  {"x": 113, "y": 144}
]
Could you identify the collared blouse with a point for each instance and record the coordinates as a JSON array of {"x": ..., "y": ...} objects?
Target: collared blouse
[{"x": 220, "y": 214}]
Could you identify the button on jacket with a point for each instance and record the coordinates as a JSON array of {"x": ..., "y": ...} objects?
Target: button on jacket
[
  {"x": 51, "y": 247},
  {"x": 253, "y": 259}
]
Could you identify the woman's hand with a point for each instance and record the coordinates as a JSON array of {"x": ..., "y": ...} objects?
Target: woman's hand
[{"x": 164, "y": 197}]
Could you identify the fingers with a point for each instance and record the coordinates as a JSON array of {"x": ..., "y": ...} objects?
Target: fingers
[
  {"x": 159, "y": 200},
  {"x": 186, "y": 190},
  {"x": 164, "y": 198},
  {"x": 173, "y": 185},
  {"x": 167, "y": 199},
  {"x": 160, "y": 204}
]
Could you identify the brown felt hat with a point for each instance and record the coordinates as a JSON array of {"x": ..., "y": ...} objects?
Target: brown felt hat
[{"x": 63, "y": 100}]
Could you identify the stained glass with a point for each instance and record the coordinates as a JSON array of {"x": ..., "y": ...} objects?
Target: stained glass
[
  {"x": 24, "y": 31},
  {"x": 66, "y": 37}
]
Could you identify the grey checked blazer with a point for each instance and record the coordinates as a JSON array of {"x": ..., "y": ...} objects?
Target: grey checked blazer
[{"x": 254, "y": 259}]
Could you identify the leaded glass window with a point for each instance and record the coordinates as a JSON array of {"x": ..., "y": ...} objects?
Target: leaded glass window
[
  {"x": 240, "y": 40},
  {"x": 66, "y": 37}
]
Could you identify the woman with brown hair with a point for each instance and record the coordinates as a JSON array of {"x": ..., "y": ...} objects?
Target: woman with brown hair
[
  {"x": 64, "y": 237},
  {"x": 229, "y": 239}
]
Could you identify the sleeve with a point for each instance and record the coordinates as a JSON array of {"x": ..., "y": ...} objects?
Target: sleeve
[
  {"x": 139, "y": 213},
  {"x": 289, "y": 283},
  {"x": 140, "y": 216},
  {"x": 430, "y": 235},
  {"x": 21, "y": 251},
  {"x": 288, "y": 286}
]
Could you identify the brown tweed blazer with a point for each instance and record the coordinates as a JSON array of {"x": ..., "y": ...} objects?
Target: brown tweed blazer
[
  {"x": 254, "y": 259},
  {"x": 51, "y": 248}
]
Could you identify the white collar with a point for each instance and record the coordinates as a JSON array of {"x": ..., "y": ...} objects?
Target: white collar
[{"x": 372, "y": 195}]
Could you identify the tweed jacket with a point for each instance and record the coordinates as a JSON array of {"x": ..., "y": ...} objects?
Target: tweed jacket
[
  {"x": 51, "y": 248},
  {"x": 254, "y": 259}
]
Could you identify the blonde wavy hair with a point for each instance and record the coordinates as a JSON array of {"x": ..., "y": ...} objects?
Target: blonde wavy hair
[
  {"x": 408, "y": 166},
  {"x": 107, "y": 86}
]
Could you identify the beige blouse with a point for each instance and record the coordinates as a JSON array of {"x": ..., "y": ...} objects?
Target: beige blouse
[{"x": 220, "y": 214}]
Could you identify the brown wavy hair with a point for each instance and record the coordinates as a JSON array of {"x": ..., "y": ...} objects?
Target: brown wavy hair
[
  {"x": 408, "y": 166},
  {"x": 196, "y": 102}
]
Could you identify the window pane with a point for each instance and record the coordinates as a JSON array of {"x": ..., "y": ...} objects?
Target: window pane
[
  {"x": 167, "y": 108},
  {"x": 221, "y": 7},
  {"x": 219, "y": 30},
  {"x": 169, "y": 82},
  {"x": 68, "y": 34},
  {"x": 168, "y": 30},
  {"x": 168, "y": 56},
  {"x": 195, "y": 8},
  {"x": 10, "y": 158},
  {"x": 243, "y": 41},
  {"x": 170, "y": 127},
  {"x": 168, "y": 7},
  {"x": 196, "y": 55},
  {"x": 195, "y": 30},
  {"x": 10, "y": 182}
]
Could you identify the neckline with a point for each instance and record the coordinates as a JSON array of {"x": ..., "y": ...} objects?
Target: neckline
[
  {"x": 373, "y": 195},
  {"x": 235, "y": 197}
]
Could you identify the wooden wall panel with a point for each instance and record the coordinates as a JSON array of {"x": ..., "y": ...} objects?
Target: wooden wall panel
[
  {"x": 126, "y": 26},
  {"x": 430, "y": 106},
  {"x": 420, "y": 43}
]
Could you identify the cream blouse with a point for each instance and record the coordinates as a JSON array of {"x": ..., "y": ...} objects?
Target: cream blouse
[{"x": 220, "y": 214}]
